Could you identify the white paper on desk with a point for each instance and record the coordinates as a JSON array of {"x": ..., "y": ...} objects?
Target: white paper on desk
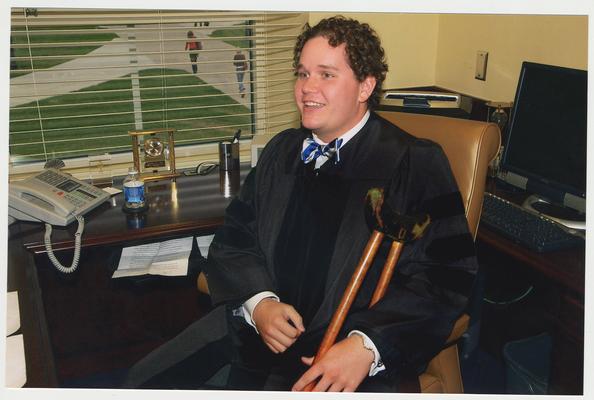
[
  {"x": 203, "y": 243},
  {"x": 16, "y": 370},
  {"x": 168, "y": 258},
  {"x": 111, "y": 190},
  {"x": 13, "y": 318}
]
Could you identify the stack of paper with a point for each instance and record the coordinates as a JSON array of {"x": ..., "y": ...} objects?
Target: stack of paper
[{"x": 169, "y": 258}]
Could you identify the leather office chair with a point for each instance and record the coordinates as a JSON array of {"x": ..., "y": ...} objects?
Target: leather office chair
[{"x": 470, "y": 146}]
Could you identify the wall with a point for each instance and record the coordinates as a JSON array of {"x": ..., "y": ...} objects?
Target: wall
[
  {"x": 431, "y": 49},
  {"x": 410, "y": 42},
  {"x": 509, "y": 39}
]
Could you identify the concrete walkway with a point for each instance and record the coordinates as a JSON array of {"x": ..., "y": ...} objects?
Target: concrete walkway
[
  {"x": 215, "y": 63},
  {"x": 215, "y": 60}
]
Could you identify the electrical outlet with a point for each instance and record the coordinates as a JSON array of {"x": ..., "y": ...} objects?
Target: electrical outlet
[{"x": 481, "y": 65}]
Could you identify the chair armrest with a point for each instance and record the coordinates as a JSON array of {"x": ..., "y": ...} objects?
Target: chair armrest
[{"x": 459, "y": 328}]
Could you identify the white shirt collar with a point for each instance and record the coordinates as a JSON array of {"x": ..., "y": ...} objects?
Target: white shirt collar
[
  {"x": 349, "y": 134},
  {"x": 345, "y": 138}
]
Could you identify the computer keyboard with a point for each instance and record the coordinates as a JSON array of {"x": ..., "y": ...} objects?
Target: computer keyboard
[{"x": 525, "y": 227}]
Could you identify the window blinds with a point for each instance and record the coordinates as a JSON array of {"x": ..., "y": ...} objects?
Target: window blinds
[{"x": 82, "y": 78}]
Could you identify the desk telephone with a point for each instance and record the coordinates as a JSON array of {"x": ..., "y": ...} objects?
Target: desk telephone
[{"x": 55, "y": 198}]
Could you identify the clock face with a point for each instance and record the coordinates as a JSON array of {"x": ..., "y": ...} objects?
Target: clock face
[{"x": 153, "y": 147}]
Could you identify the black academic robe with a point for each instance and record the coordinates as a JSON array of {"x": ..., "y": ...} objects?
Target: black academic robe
[{"x": 434, "y": 275}]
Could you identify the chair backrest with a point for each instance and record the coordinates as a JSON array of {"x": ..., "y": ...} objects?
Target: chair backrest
[{"x": 469, "y": 145}]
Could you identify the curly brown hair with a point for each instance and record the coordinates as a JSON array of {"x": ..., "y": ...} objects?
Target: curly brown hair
[{"x": 363, "y": 48}]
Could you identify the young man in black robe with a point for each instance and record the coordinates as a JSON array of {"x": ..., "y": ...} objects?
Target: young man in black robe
[{"x": 293, "y": 236}]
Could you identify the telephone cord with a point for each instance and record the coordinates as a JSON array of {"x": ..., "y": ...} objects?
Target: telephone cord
[{"x": 77, "y": 243}]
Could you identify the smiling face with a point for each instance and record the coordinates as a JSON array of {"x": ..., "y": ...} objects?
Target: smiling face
[{"x": 329, "y": 96}]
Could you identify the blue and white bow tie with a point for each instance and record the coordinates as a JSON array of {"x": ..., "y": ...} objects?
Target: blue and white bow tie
[{"x": 313, "y": 150}]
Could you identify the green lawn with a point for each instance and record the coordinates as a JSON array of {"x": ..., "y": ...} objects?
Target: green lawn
[
  {"x": 233, "y": 33},
  {"x": 20, "y": 37},
  {"x": 120, "y": 116}
]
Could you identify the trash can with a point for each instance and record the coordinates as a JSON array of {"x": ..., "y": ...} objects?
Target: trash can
[{"x": 528, "y": 364}]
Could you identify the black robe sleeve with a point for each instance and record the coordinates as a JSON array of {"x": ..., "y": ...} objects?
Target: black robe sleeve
[
  {"x": 434, "y": 275},
  {"x": 236, "y": 269}
]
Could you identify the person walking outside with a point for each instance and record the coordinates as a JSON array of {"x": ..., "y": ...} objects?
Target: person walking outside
[
  {"x": 240, "y": 67},
  {"x": 192, "y": 46}
]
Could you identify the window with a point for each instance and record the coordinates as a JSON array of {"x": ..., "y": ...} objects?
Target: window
[{"x": 82, "y": 78}]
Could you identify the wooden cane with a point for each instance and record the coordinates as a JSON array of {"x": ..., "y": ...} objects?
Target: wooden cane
[
  {"x": 353, "y": 287},
  {"x": 401, "y": 229},
  {"x": 387, "y": 272},
  {"x": 347, "y": 298}
]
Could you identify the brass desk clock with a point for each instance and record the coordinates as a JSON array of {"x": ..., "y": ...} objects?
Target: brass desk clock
[{"x": 154, "y": 153}]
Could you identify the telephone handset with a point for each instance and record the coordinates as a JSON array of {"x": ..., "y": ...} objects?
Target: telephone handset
[{"x": 55, "y": 198}]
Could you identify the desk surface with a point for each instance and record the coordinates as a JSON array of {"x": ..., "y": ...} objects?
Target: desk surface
[
  {"x": 190, "y": 204},
  {"x": 566, "y": 267}
]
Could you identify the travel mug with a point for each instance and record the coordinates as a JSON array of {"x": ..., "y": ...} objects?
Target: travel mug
[
  {"x": 229, "y": 183},
  {"x": 228, "y": 156}
]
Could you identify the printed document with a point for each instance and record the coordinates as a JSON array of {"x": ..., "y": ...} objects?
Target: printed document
[{"x": 169, "y": 258}]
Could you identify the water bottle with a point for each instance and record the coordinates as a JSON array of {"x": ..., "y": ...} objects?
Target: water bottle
[{"x": 134, "y": 191}]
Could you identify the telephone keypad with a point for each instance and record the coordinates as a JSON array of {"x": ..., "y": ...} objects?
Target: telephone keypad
[{"x": 51, "y": 178}]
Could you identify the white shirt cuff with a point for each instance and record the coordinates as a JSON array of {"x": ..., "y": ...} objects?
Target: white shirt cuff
[
  {"x": 251, "y": 303},
  {"x": 377, "y": 365}
]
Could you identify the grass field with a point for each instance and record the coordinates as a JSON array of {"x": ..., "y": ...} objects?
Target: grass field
[
  {"x": 36, "y": 37},
  {"x": 73, "y": 128},
  {"x": 224, "y": 34}
]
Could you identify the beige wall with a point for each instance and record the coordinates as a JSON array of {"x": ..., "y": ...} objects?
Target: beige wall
[
  {"x": 509, "y": 39},
  {"x": 430, "y": 49},
  {"x": 410, "y": 42}
]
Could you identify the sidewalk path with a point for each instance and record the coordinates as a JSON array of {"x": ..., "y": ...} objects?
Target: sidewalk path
[
  {"x": 215, "y": 60},
  {"x": 75, "y": 74}
]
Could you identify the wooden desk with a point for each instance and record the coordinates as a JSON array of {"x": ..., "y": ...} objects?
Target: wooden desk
[
  {"x": 85, "y": 323},
  {"x": 556, "y": 304}
]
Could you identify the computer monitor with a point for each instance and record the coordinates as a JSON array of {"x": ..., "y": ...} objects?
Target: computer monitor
[{"x": 545, "y": 150}]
